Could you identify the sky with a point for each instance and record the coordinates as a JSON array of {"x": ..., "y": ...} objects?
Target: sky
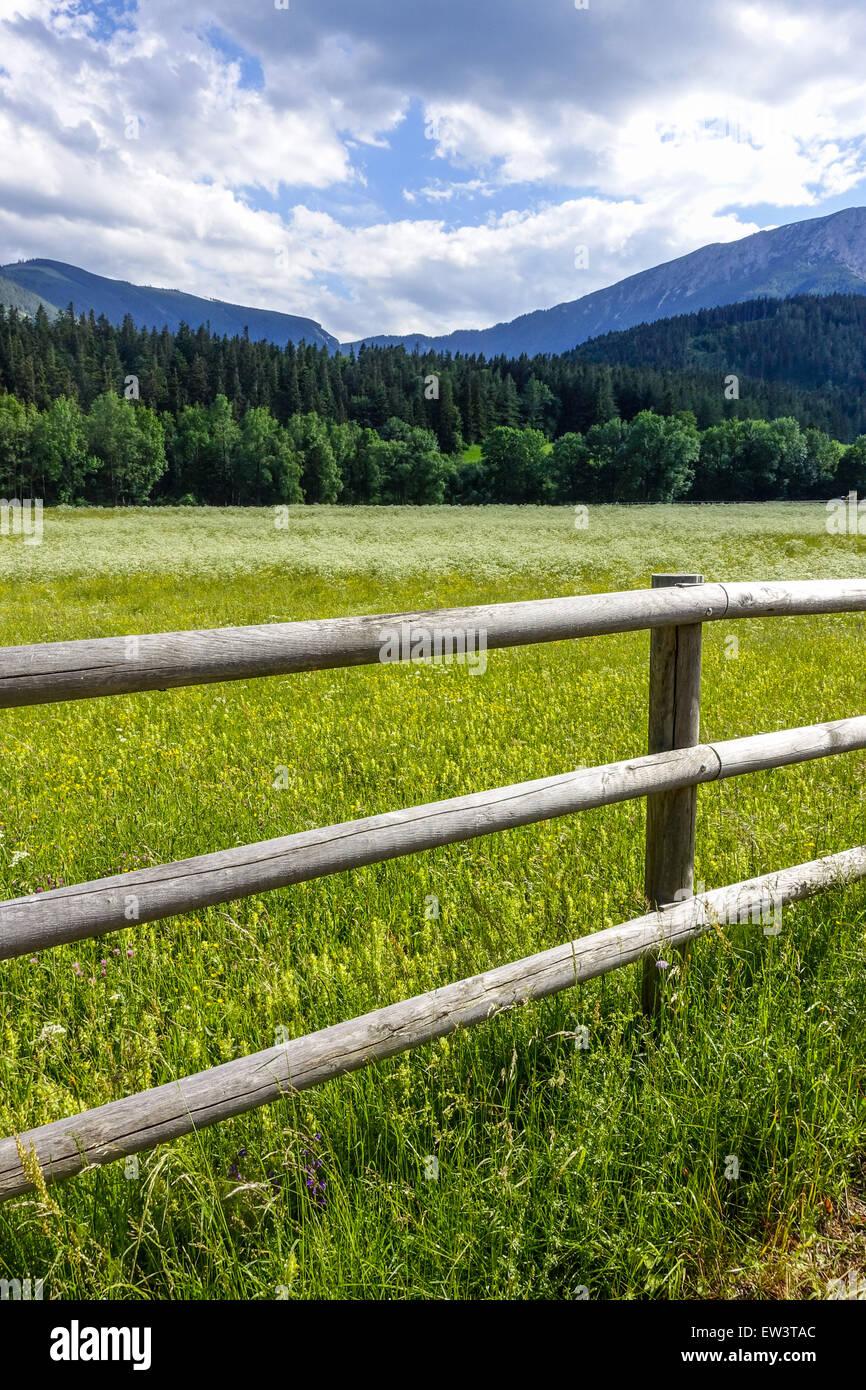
[{"x": 389, "y": 166}]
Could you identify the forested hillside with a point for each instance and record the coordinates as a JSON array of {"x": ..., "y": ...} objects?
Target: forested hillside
[
  {"x": 117, "y": 415},
  {"x": 26, "y": 284},
  {"x": 83, "y": 356},
  {"x": 814, "y": 344}
]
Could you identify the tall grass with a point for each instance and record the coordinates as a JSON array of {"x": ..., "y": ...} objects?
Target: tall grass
[{"x": 561, "y": 1168}]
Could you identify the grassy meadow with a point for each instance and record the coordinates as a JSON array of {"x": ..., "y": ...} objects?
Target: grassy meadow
[{"x": 562, "y": 1171}]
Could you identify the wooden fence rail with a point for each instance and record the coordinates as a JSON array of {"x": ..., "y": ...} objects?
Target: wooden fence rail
[
  {"x": 52, "y": 671},
  {"x": 668, "y": 776},
  {"x": 82, "y": 910},
  {"x": 138, "y": 1122}
]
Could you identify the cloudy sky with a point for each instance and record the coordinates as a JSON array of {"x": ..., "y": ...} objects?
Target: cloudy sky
[{"x": 394, "y": 166}]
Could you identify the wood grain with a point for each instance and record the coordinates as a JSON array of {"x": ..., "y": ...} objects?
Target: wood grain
[
  {"x": 166, "y": 1112},
  {"x": 48, "y": 672},
  {"x": 81, "y": 910},
  {"x": 674, "y": 722}
]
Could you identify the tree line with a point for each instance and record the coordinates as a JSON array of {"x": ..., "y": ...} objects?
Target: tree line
[
  {"x": 460, "y": 398},
  {"x": 124, "y": 451}
]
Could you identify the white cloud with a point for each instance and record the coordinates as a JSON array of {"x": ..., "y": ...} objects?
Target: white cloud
[{"x": 563, "y": 135}]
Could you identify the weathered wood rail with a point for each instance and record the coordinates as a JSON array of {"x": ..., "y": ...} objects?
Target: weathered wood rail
[
  {"x": 675, "y": 610},
  {"x": 139, "y": 1122},
  {"x": 48, "y": 672},
  {"x": 111, "y": 904}
]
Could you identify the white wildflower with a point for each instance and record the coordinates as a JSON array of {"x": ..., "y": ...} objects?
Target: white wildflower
[{"x": 51, "y": 1030}]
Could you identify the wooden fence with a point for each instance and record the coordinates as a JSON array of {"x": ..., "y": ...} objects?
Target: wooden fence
[{"x": 675, "y": 610}]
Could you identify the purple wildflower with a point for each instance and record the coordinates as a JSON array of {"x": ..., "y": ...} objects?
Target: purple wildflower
[{"x": 314, "y": 1182}]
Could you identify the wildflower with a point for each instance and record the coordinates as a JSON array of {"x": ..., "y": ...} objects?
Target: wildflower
[
  {"x": 662, "y": 964},
  {"x": 51, "y": 1030},
  {"x": 315, "y": 1183}
]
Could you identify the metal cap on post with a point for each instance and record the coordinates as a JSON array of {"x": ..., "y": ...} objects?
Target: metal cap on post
[{"x": 674, "y": 722}]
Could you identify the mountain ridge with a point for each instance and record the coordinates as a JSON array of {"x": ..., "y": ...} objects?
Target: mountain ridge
[
  {"x": 818, "y": 256},
  {"x": 58, "y": 283},
  {"x": 823, "y": 255}
]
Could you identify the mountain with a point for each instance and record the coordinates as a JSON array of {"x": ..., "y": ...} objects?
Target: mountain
[
  {"x": 822, "y": 256},
  {"x": 57, "y": 285}
]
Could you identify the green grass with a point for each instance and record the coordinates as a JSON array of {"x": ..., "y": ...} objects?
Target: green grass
[
  {"x": 558, "y": 1167},
  {"x": 474, "y": 453}
]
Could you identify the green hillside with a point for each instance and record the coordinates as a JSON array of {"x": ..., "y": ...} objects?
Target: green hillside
[
  {"x": 24, "y": 300},
  {"x": 809, "y": 342}
]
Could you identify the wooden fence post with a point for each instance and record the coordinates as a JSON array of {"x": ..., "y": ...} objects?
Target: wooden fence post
[{"x": 674, "y": 722}]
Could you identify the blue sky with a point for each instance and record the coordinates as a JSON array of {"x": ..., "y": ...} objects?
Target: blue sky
[{"x": 388, "y": 167}]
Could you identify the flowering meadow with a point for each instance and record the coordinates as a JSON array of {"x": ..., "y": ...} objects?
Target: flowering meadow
[{"x": 566, "y": 1150}]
